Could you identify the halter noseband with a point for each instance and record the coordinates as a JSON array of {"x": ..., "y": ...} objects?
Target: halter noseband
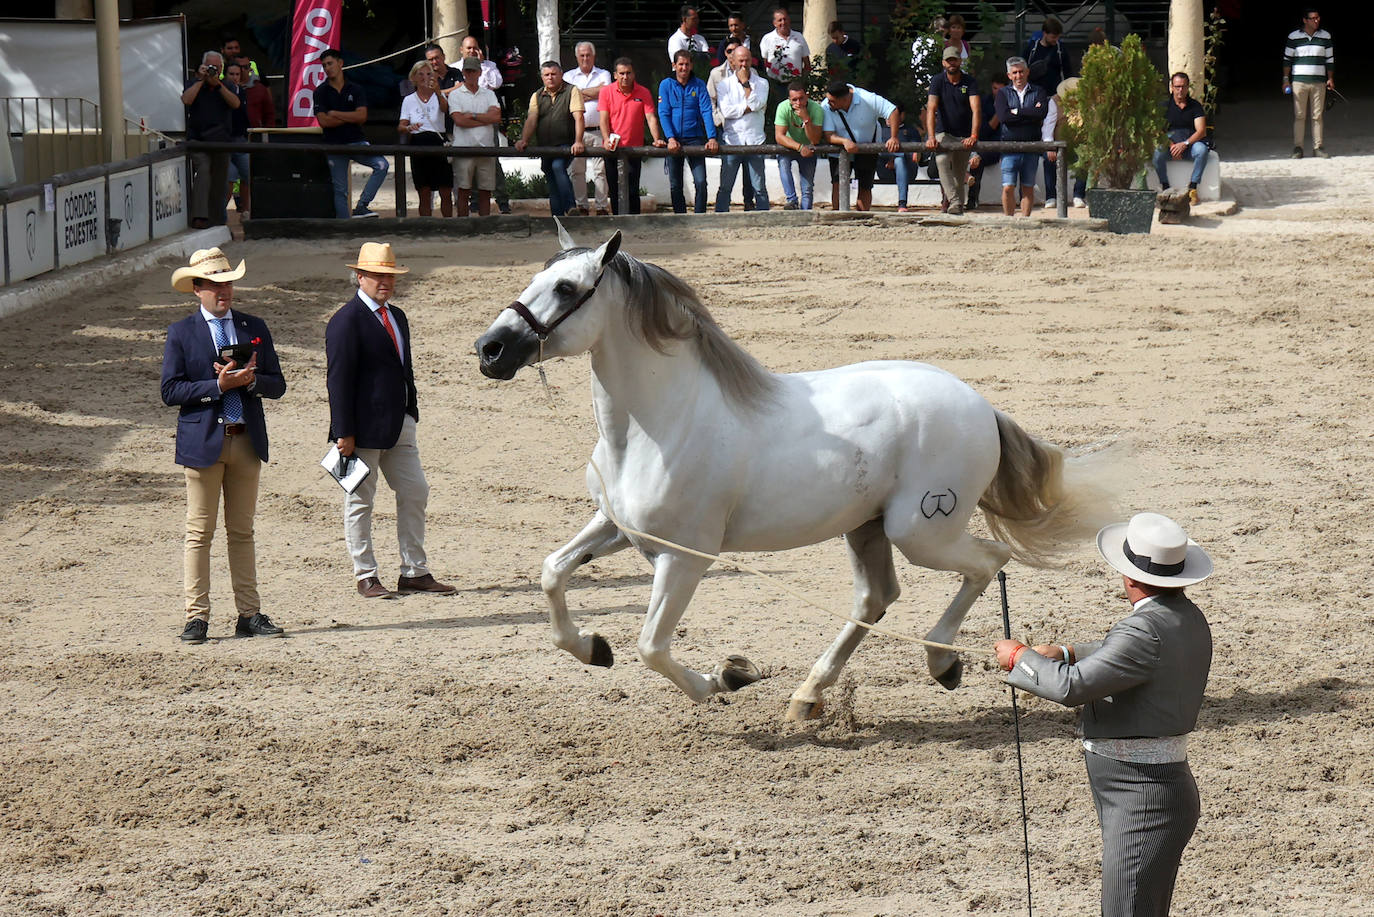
[{"x": 538, "y": 327}]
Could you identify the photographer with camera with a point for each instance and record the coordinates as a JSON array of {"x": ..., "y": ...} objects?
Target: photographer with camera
[{"x": 209, "y": 107}]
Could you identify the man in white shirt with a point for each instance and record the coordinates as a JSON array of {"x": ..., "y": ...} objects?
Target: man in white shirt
[
  {"x": 686, "y": 37},
  {"x": 785, "y": 53},
  {"x": 474, "y": 110},
  {"x": 726, "y": 70},
  {"x": 490, "y": 78},
  {"x": 743, "y": 98},
  {"x": 589, "y": 78}
]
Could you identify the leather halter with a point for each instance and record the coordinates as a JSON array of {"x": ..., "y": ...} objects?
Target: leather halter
[{"x": 538, "y": 327}]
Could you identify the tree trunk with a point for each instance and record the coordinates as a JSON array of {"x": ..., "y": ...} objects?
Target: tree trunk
[
  {"x": 816, "y": 16},
  {"x": 451, "y": 16}
]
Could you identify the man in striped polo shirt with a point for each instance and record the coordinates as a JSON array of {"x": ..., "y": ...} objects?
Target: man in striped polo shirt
[{"x": 1309, "y": 69}]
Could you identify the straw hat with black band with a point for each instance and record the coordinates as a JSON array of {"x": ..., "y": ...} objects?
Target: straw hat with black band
[
  {"x": 1154, "y": 550},
  {"x": 206, "y": 264}
]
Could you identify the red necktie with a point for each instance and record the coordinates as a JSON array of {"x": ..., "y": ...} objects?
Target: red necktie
[{"x": 386, "y": 321}]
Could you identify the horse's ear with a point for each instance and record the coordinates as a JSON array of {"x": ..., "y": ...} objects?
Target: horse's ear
[
  {"x": 565, "y": 241},
  {"x": 608, "y": 251}
]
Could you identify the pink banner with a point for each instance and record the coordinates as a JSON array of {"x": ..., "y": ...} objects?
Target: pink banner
[{"x": 314, "y": 29}]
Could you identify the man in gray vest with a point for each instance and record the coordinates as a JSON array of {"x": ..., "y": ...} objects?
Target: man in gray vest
[
  {"x": 1140, "y": 688},
  {"x": 556, "y": 119}
]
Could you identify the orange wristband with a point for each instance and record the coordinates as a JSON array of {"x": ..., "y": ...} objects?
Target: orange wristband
[{"x": 1016, "y": 654}]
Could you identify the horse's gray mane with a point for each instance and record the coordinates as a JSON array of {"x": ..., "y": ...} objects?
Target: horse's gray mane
[{"x": 667, "y": 309}]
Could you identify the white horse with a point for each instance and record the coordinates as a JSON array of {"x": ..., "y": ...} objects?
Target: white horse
[{"x": 703, "y": 447}]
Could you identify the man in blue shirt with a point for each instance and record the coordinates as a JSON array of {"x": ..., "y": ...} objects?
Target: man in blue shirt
[
  {"x": 684, "y": 110},
  {"x": 341, "y": 110},
  {"x": 851, "y": 118}
]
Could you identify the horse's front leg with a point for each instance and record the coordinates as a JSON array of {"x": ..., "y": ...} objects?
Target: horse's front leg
[
  {"x": 598, "y": 539},
  {"x": 675, "y": 580}
]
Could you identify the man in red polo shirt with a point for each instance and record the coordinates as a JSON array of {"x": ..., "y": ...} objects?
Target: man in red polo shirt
[{"x": 624, "y": 108}]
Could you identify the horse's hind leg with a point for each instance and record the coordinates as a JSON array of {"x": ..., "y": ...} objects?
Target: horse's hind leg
[
  {"x": 875, "y": 588},
  {"x": 978, "y": 559},
  {"x": 675, "y": 580},
  {"x": 598, "y": 539}
]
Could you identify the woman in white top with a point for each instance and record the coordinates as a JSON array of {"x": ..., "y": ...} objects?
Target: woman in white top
[{"x": 424, "y": 116}]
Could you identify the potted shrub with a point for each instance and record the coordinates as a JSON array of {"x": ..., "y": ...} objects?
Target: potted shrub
[{"x": 1115, "y": 123}]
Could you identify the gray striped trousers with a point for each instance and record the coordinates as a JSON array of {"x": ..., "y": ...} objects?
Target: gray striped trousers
[{"x": 1148, "y": 813}]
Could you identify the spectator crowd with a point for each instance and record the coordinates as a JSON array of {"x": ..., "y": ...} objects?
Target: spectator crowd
[{"x": 753, "y": 94}]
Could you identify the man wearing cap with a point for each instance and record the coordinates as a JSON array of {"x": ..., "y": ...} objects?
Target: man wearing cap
[
  {"x": 474, "y": 109},
  {"x": 221, "y": 434},
  {"x": 373, "y": 411},
  {"x": 1140, "y": 688},
  {"x": 954, "y": 112}
]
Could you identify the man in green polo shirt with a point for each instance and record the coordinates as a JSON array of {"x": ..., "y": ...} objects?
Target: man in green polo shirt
[
  {"x": 1309, "y": 69},
  {"x": 798, "y": 125}
]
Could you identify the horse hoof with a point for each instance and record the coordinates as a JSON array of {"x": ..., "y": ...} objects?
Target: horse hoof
[
  {"x": 601, "y": 652},
  {"x": 952, "y": 676},
  {"x": 736, "y": 672},
  {"x": 802, "y": 710}
]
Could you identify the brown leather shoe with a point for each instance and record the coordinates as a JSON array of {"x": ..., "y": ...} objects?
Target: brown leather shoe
[
  {"x": 371, "y": 588},
  {"x": 427, "y": 583}
]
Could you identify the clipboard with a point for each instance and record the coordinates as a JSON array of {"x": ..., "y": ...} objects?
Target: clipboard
[{"x": 348, "y": 472}]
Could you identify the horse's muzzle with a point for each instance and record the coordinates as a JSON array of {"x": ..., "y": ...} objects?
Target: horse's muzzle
[{"x": 501, "y": 352}]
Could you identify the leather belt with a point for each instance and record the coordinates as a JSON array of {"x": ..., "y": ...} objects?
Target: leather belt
[{"x": 235, "y": 429}]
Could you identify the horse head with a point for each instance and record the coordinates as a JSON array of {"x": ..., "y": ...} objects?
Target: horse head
[{"x": 553, "y": 302}]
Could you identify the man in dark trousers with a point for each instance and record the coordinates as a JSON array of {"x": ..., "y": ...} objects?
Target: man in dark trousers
[
  {"x": 1049, "y": 64},
  {"x": 373, "y": 411},
  {"x": 1140, "y": 687},
  {"x": 221, "y": 434},
  {"x": 341, "y": 110},
  {"x": 210, "y": 104}
]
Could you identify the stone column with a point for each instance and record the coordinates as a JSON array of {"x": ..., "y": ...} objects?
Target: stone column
[
  {"x": 451, "y": 16},
  {"x": 816, "y": 15},
  {"x": 112, "y": 131},
  {"x": 546, "y": 23},
  {"x": 1186, "y": 50}
]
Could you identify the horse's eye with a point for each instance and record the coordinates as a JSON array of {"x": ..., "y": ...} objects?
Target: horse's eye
[{"x": 563, "y": 288}]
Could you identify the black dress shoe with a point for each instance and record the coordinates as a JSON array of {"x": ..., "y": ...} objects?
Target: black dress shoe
[
  {"x": 258, "y": 625},
  {"x": 427, "y": 583},
  {"x": 195, "y": 631},
  {"x": 369, "y": 587}
]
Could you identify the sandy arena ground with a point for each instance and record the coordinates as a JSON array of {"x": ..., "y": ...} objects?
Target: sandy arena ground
[{"x": 439, "y": 756}]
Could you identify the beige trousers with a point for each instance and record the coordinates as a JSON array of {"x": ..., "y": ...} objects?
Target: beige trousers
[
  {"x": 953, "y": 168},
  {"x": 236, "y": 476},
  {"x": 401, "y": 466},
  {"x": 1308, "y": 99},
  {"x": 591, "y": 168}
]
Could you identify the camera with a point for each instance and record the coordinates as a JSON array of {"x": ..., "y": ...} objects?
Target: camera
[{"x": 211, "y": 69}]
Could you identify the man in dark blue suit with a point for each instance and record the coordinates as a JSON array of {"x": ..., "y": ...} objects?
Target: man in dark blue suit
[
  {"x": 373, "y": 411},
  {"x": 221, "y": 434}
]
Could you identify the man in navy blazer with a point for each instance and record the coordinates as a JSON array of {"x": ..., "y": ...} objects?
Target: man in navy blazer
[
  {"x": 373, "y": 411},
  {"x": 221, "y": 434}
]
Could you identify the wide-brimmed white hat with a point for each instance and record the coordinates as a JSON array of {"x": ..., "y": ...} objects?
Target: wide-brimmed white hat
[
  {"x": 1154, "y": 550},
  {"x": 206, "y": 264},
  {"x": 378, "y": 258}
]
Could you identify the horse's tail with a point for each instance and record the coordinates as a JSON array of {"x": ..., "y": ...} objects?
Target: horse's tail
[{"x": 1041, "y": 502}]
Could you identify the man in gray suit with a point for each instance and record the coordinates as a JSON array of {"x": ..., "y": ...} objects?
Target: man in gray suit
[{"x": 1140, "y": 688}]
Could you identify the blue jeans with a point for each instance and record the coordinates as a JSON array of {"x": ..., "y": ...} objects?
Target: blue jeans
[
  {"x": 561, "y": 197},
  {"x": 698, "y": 166},
  {"x": 902, "y": 167},
  {"x": 338, "y": 172},
  {"x": 806, "y": 168},
  {"x": 1197, "y": 152},
  {"x": 729, "y": 168}
]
